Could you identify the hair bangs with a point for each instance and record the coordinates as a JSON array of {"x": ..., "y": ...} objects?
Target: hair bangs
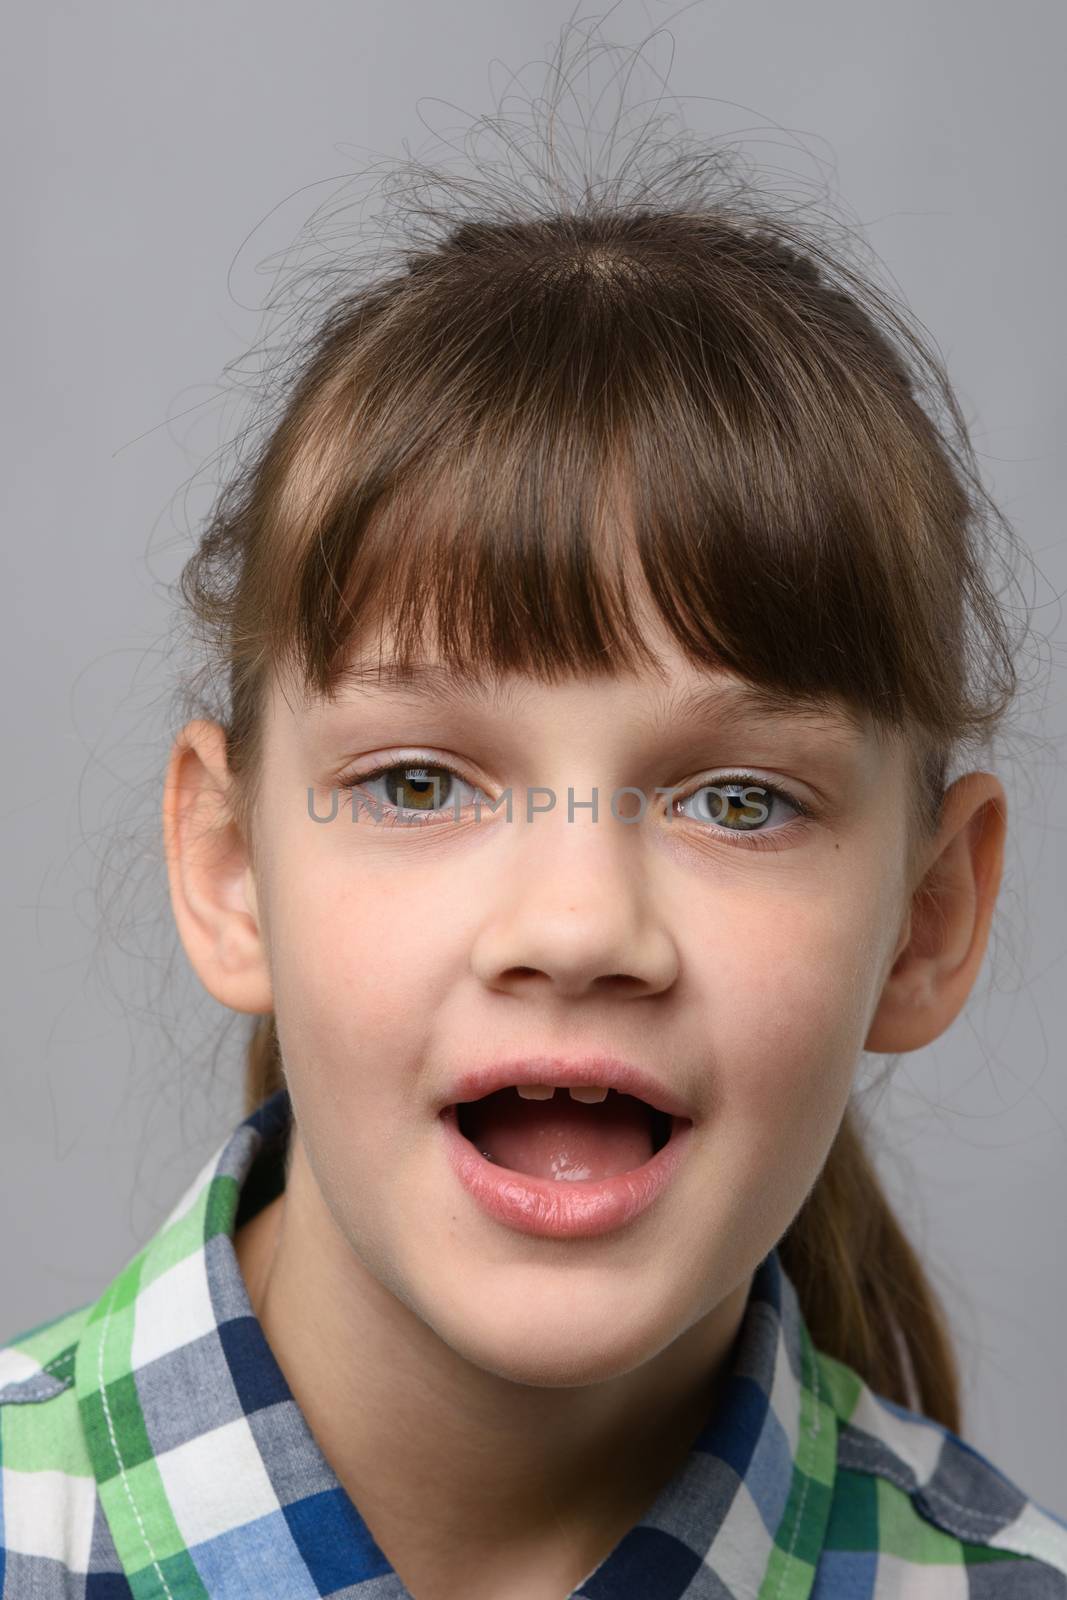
[{"x": 612, "y": 456}]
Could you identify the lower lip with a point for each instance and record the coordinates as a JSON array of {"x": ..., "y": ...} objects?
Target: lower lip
[{"x": 560, "y": 1209}]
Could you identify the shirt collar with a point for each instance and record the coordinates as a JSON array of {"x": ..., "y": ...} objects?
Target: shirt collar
[{"x": 211, "y": 1480}]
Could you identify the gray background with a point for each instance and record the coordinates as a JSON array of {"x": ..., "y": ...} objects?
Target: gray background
[{"x": 144, "y": 145}]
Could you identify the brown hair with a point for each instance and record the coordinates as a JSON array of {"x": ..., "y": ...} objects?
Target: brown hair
[{"x": 799, "y": 490}]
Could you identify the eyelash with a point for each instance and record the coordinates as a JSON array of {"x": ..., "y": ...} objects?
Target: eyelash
[{"x": 744, "y": 841}]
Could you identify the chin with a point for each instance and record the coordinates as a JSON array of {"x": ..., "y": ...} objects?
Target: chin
[{"x": 551, "y": 1356}]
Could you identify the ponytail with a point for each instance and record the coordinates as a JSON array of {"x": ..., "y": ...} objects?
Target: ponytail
[
  {"x": 862, "y": 1289},
  {"x": 263, "y": 1063}
]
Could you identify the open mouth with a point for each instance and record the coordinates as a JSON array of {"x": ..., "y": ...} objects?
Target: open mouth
[{"x": 562, "y": 1137}]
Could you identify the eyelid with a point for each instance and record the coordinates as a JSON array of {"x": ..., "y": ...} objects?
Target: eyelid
[
  {"x": 350, "y": 773},
  {"x": 824, "y": 780},
  {"x": 752, "y": 780}
]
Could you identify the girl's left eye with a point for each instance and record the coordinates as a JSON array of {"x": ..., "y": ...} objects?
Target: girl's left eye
[{"x": 734, "y": 806}]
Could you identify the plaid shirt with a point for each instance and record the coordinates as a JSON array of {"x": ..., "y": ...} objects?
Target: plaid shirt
[{"x": 151, "y": 1449}]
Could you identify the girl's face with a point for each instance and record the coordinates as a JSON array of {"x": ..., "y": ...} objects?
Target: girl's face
[{"x": 740, "y": 969}]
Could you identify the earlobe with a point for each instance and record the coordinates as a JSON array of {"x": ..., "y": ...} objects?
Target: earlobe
[
  {"x": 211, "y": 885},
  {"x": 941, "y": 946}
]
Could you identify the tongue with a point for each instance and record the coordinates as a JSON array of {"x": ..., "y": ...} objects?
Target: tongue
[{"x": 561, "y": 1138}]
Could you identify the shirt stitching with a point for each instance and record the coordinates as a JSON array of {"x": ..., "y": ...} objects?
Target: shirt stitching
[
  {"x": 965, "y": 1513},
  {"x": 115, "y": 1446},
  {"x": 812, "y": 1434},
  {"x": 59, "y": 1386},
  {"x": 41, "y": 1391}
]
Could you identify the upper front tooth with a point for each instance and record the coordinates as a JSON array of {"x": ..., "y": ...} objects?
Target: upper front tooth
[{"x": 590, "y": 1094}]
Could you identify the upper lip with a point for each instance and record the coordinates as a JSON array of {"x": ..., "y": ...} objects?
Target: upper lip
[{"x": 621, "y": 1076}]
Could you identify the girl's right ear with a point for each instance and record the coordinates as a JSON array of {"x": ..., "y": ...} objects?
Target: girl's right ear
[{"x": 212, "y": 889}]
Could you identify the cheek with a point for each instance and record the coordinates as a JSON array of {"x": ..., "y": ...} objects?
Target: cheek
[
  {"x": 361, "y": 952},
  {"x": 788, "y": 997}
]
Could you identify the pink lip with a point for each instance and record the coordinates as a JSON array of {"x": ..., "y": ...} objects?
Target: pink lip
[
  {"x": 559, "y": 1209},
  {"x": 618, "y": 1075}
]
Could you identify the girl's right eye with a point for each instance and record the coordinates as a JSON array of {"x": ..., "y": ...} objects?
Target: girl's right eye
[{"x": 420, "y": 794}]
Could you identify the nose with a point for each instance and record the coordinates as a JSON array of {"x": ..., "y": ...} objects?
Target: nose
[{"x": 574, "y": 908}]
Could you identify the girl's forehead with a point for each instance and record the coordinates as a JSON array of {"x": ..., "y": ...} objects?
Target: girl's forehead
[
  {"x": 662, "y": 695},
  {"x": 376, "y": 665}
]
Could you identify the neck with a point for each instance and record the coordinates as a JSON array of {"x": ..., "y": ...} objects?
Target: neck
[{"x": 456, "y": 1469}]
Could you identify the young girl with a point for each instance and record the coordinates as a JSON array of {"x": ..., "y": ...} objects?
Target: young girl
[{"x": 601, "y": 619}]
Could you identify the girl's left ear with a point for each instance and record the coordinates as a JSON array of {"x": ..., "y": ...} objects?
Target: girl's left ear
[{"x": 944, "y": 938}]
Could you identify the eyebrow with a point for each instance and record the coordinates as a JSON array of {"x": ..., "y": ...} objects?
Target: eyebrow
[{"x": 729, "y": 703}]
